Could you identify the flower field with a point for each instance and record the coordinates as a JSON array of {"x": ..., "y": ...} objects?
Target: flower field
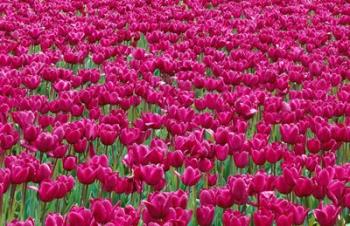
[{"x": 174, "y": 112}]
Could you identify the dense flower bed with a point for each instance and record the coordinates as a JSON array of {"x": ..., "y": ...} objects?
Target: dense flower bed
[{"x": 174, "y": 112}]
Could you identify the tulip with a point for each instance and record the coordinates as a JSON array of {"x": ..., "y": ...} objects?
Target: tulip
[
  {"x": 30, "y": 133},
  {"x": 236, "y": 141},
  {"x": 221, "y": 152},
  {"x": 347, "y": 200},
  {"x": 285, "y": 220},
  {"x": 241, "y": 159},
  {"x": 207, "y": 197},
  {"x": 79, "y": 216},
  {"x": 108, "y": 137},
  {"x": 80, "y": 145},
  {"x": 282, "y": 186},
  {"x": 314, "y": 145},
  {"x": 72, "y": 136},
  {"x": 28, "y": 222},
  {"x": 43, "y": 172},
  {"x": 101, "y": 210},
  {"x": 190, "y": 176},
  {"x": 205, "y": 215},
  {"x": 175, "y": 158},
  {"x": 54, "y": 219},
  {"x": 231, "y": 217},
  {"x": 46, "y": 142},
  {"x": 327, "y": 215},
  {"x": 86, "y": 174},
  {"x": 263, "y": 218},
  {"x": 59, "y": 151},
  {"x": 299, "y": 214},
  {"x": 289, "y": 133},
  {"x": 224, "y": 198},
  {"x": 303, "y": 187},
  {"x": 19, "y": 174},
  {"x": 259, "y": 157},
  {"x": 70, "y": 163},
  {"x": 152, "y": 174},
  {"x": 4, "y": 180},
  {"x": 323, "y": 134},
  {"x": 156, "y": 206},
  {"x": 335, "y": 191},
  {"x": 258, "y": 183},
  {"x": 239, "y": 191},
  {"x": 129, "y": 136},
  {"x": 47, "y": 190},
  {"x": 212, "y": 179}
]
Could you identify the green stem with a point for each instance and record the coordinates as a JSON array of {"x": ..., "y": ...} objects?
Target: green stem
[
  {"x": 86, "y": 195},
  {"x": 194, "y": 204},
  {"x": 1, "y": 213},
  {"x": 43, "y": 210},
  {"x": 206, "y": 182},
  {"x": 12, "y": 197},
  {"x": 175, "y": 179},
  {"x": 23, "y": 207}
]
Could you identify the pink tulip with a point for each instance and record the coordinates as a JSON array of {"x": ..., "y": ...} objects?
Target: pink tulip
[
  {"x": 190, "y": 176},
  {"x": 327, "y": 215}
]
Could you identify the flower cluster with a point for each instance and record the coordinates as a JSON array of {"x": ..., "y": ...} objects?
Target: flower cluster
[{"x": 174, "y": 112}]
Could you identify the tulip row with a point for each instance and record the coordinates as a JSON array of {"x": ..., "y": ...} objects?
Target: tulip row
[{"x": 174, "y": 112}]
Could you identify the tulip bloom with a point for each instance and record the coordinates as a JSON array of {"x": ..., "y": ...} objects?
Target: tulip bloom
[
  {"x": 190, "y": 176},
  {"x": 205, "y": 215},
  {"x": 263, "y": 218},
  {"x": 101, "y": 210},
  {"x": 327, "y": 215}
]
